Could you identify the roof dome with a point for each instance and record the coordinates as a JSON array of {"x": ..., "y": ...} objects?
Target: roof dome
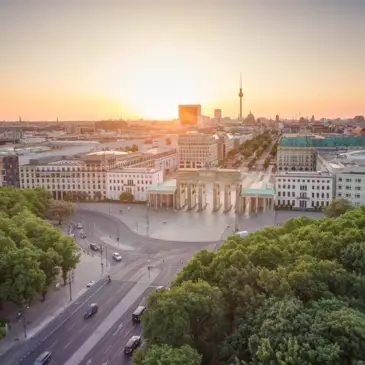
[{"x": 250, "y": 119}]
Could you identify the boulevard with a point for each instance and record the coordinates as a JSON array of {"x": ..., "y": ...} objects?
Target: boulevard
[{"x": 101, "y": 338}]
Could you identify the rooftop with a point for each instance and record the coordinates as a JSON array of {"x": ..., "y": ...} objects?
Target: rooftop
[
  {"x": 140, "y": 170},
  {"x": 304, "y": 174},
  {"x": 169, "y": 186},
  {"x": 322, "y": 142}
]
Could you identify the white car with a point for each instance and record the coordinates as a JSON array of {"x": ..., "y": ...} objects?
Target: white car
[
  {"x": 90, "y": 284},
  {"x": 162, "y": 287},
  {"x": 79, "y": 226},
  {"x": 117, "y": 257}
]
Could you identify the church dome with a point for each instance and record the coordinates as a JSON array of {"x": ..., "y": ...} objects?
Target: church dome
[{"x": 250, "y": 119}]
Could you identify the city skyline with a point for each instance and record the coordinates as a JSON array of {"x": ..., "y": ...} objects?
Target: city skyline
[{"x": 141, "y": 59}]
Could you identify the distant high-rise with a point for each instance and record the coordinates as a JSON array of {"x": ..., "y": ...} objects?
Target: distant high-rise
[
  {"x": 240, "y": 94},
  {"x": 190, "y": 115},
  {"x": 217, "y": 115}
]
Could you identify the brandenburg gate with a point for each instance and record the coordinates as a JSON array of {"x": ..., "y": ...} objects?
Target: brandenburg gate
[
  {"x": 191, "y": 188},
  {"x": 189, "y": 191}
]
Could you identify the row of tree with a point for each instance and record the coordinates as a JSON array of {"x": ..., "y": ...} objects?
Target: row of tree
[
  {"x": 33, "y": 253},
  {"x": 293, "y": 294}
]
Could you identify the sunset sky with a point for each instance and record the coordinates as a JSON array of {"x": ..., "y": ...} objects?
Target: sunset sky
[{"x": 91, "y": 59}]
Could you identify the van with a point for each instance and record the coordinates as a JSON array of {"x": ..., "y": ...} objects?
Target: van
[
  {"x": 44, "y": 358},
  {"x": 137, "y": 314}
]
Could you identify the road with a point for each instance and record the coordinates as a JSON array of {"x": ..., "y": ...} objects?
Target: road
[{"x": 101, "y": 339}]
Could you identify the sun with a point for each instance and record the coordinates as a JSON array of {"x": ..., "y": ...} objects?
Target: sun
[{"x": 154, "y": 89}]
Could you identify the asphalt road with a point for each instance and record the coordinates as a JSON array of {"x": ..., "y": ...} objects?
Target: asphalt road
[{"x": 70, "y": 332}]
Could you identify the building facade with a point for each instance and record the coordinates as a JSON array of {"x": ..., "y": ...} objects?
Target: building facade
[
  {"x": 198, "y": 150},
  {"x": 132, "y": 180},
  {"x": 9, "y": 169},
  {"x": 304, "y": 190},
  {"x": 74, "y": 179}
]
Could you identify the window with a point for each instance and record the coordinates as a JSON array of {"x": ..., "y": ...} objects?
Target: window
[{"x": 358, "y": 180}]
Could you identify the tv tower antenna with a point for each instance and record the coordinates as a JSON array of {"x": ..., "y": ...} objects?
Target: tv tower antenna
[{"x": 240, "y": 94}]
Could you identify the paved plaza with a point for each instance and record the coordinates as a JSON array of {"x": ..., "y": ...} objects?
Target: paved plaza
[{"x": 189, "y": 226}]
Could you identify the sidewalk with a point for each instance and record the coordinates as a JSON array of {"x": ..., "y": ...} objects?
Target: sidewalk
[{"x": 39, "y": 314}]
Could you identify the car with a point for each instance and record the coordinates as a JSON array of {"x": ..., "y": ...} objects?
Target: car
[
  {"x": 79, "y": 226},
  {"x": 44, "y": 358},
  {"x": 117, "y": 257},
  {"x": 94, "y": 247},
  {"x": 90, "y": 284},
  {"x": 161, "y": 287},
  {"x": 137, "y": 314},
  {"x": 83, "y": 234},
  {"x": 91, "y": 310},
  {"x": 132, "y": 344}
]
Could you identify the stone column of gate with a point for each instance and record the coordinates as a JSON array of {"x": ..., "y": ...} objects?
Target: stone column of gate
[
  {"x": 201, "y": 196},
  {"x": 193, "y": 195},
  {"x": 227, "y": 197},
  {"x": 216, "y": 196},
  {"x": 177, "y": 201},
  {"x": 238, "y": 200},
  {"x": 257, "y": 204}
]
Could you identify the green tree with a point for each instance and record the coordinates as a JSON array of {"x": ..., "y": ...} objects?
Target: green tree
[
  {"x": 126, "y": 196},
  {"x": 190, "y": 314},
  {"x": 338, "y": 207},
  {"x": 59, "y": 210},
  {"x": 49, "y": 263},
  {"x": 167, "y": 355},
  {"x": 67, "y": 250},
  {"x": 21, "y": 276},
  {"x": 267, "y": 162}
]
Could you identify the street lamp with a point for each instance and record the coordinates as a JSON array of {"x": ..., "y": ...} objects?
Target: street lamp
[
  {"x": 70, "y": 284},
  {"x": 22, "y": 316}
]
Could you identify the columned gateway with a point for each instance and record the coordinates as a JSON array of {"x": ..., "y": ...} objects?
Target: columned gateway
[
  {"x": 256, "y": 200},
  {"x": 191, "y": 188}
]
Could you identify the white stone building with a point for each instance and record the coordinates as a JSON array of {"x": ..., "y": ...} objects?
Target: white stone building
[
  {"x": 348, "y": 170},
  {"x": 304, "y": 190},
  {"x": 132, "y": 180},
  {"x": 197, "y": 150}
]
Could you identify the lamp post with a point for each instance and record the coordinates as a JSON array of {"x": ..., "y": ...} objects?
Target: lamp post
[
  {"x": 101, "y": 260},
  {"x": 70, "y": 283}
]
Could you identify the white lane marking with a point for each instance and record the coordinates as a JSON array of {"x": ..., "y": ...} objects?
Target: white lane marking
[
  {"x": 88, "y": 362},
  {"x": 128, "y": 332},
  {"x": 68, "y": 344},
  {"x": 109, "y": 300},
  {"x": 106, "y": 362},
  {"x": 108, "y": 349},
  {"x": 53, "y": 344},
  {"x": 70, "y": 328},
  {"x": 83, "y": 328},
  {"x": 118, "y": 329}
]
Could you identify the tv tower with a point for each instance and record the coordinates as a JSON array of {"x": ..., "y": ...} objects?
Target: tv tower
[{"x": 240, "y": 94}]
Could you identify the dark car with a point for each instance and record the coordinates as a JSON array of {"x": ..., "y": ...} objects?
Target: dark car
[
  {"x": 137, "y": 314},
  {"x": 94, "y": 247},
  {"x": 132, "y": 344},
  {"x": 44, "y": 358},
  {"x": 91, "y": 310}
]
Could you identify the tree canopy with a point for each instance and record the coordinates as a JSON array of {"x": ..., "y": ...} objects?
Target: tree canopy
[
  {"x": 293, "y": 294},
  {"x": 338, "y": 207},
  {"x": 32, "y": 251},
  {"x": 126, "y": 196}
]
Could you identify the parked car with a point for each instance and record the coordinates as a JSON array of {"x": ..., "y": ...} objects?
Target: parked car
[
  {"x": 90, "y": 284},
  {"x": 133, "y": 343},
  {"x": 44, "y": 358},
  {"x": 117, "y": 257},
  {"x": 137, "y": 314},
  {"x": 91, "y": 310},
  {"x": 83, "y": 234},
  {"x": 161, "y": 287},
  {"x": 79, "y": 226}
]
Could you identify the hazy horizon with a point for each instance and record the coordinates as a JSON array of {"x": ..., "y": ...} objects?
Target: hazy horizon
[{"x": 91, "y": 60}]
